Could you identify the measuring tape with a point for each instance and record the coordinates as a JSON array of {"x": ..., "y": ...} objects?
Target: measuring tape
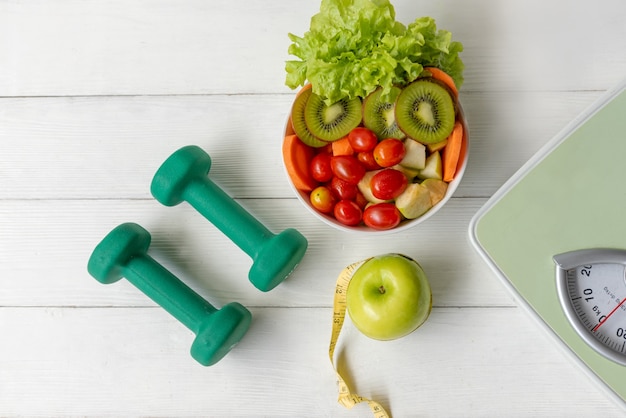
[{"x": 346, "y": 397}]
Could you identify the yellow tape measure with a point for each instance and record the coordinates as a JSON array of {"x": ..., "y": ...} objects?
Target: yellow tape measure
[{"x": 346, "y": 397}]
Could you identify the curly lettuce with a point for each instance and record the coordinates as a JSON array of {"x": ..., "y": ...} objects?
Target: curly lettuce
[{"x": 355, "y": 46}]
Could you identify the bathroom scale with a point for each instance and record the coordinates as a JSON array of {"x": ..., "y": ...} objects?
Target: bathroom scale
[{"x": 555, "y": 234}]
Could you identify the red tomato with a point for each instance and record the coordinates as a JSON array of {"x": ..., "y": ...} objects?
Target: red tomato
[
  {"x": 347, "y": 212},
  {"x": 360, "y": 199},
  {"x": 320, "y": 167},
  {"x": 343, "y": 190},
  {"x": 322, "y": 199},
  {"x": 326, "y": 149},
  {"x": 382, "y": 216},
  {"x": 362, "y": 139},
  {"x": 388, "y": 184},
  {"x": 347, "y": 168},
  {"x": 366, "y": 158},
  {"x": 389, "y": 152}
]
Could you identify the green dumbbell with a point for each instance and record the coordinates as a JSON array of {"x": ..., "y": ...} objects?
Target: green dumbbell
[
  {"x": 184, "y": 177},
  {"x": 123, "y": 253}
]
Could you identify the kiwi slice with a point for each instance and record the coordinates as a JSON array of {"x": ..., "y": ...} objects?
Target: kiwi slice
[
  {"x": 379, "y": 114},
  {"x": 331, "y": 122},
  {"x": 297, "y": 120},
  {"x": 425, "y": 111}
]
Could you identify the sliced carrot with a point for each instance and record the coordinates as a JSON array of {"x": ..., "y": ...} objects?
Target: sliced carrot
[
  {"x": 442, "y": 76},
  {"x": 452, "y": 152},
  {"x": 297, "y": 157},
  {"x": 289, "y": 128},
  {"x": 342, "y": 147}
]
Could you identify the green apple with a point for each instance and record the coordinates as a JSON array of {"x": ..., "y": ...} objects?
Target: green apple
[{"x": 388, "y": 297}]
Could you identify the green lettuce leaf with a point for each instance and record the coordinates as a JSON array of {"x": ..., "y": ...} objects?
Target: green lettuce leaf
[
  {"x": 439, "y": 49},
  {"x": 354, "y": 46}
]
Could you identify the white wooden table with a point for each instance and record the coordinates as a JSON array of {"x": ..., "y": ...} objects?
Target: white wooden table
[{"x": 94, "y": 95}]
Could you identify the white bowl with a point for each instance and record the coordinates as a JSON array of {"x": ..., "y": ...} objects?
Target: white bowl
[{"x": 405, "y": 223}]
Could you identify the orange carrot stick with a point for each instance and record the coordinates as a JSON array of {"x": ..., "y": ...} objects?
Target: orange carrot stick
[{"x": 452, "y": 152}]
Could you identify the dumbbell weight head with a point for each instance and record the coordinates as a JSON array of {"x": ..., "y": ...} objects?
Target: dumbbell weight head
[
  {"x": 172, "y": 179},
  {"x": 275, "y": 261},
  {"x": 115, "y": 250},
  {"x": 220, "y": 332}
]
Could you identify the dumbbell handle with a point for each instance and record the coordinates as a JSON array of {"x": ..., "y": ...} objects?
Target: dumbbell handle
[
  {"x": 227, "y": 215},
  {"x": 160, "y": 285}
]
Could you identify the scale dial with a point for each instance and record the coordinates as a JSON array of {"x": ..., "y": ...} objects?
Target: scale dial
[{"x": 591, "y": 285}]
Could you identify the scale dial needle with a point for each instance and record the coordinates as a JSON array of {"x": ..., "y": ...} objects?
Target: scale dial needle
[{"x": 608, "y": 316}]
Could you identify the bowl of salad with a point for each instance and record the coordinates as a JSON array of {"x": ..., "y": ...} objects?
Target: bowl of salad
[{"x": 376, "y": 139}]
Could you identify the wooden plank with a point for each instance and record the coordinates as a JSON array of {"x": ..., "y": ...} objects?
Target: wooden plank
[
  {"x": 168, "y": 73},
  {"x": 135, "y": 361},
  {"x": 122, "y": 47},
  {"x": 110, "y": 147},
  {"x": 45, "y": 245}
]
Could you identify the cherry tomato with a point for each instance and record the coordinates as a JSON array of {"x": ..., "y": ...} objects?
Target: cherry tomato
[
  {"x": 389, "y": 152},
  {"x": 347, "y": 212},
  {"x": 320, "y": 167},
  {"x": 388, "y": 184},
  {"x": 326, "y": 149},
  {"x": 360, "y": 200},
  {"x": 366, "y": 158},
  {"x": 322, "y": 199},
  {"x": 347, "y": 168},
  {"x": 362, "y": 139},
  {"x": 382, "y": 216},
  {"x": 343, "y": 190}
]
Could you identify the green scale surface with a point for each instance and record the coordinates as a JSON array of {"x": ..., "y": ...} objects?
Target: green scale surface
[{"x": 570, "y": 196}]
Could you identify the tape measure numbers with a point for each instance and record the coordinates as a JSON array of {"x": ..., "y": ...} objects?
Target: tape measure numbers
[{"x": 346, "y": 397}]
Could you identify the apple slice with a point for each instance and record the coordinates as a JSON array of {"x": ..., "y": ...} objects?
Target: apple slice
[
  {"x": 415, "y": 156},
  {"x": 433, "y": 168},
  {"x": 414, "y": 201},
  {"x": 410, "y": 173},
  {"x": 366, "y": 189},
  {"x": 438, "y": 146},
  {"x": 437, "y": 189}
]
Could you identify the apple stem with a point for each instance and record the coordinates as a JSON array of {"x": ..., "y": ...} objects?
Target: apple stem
[{"x": 381, "y": 289}]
